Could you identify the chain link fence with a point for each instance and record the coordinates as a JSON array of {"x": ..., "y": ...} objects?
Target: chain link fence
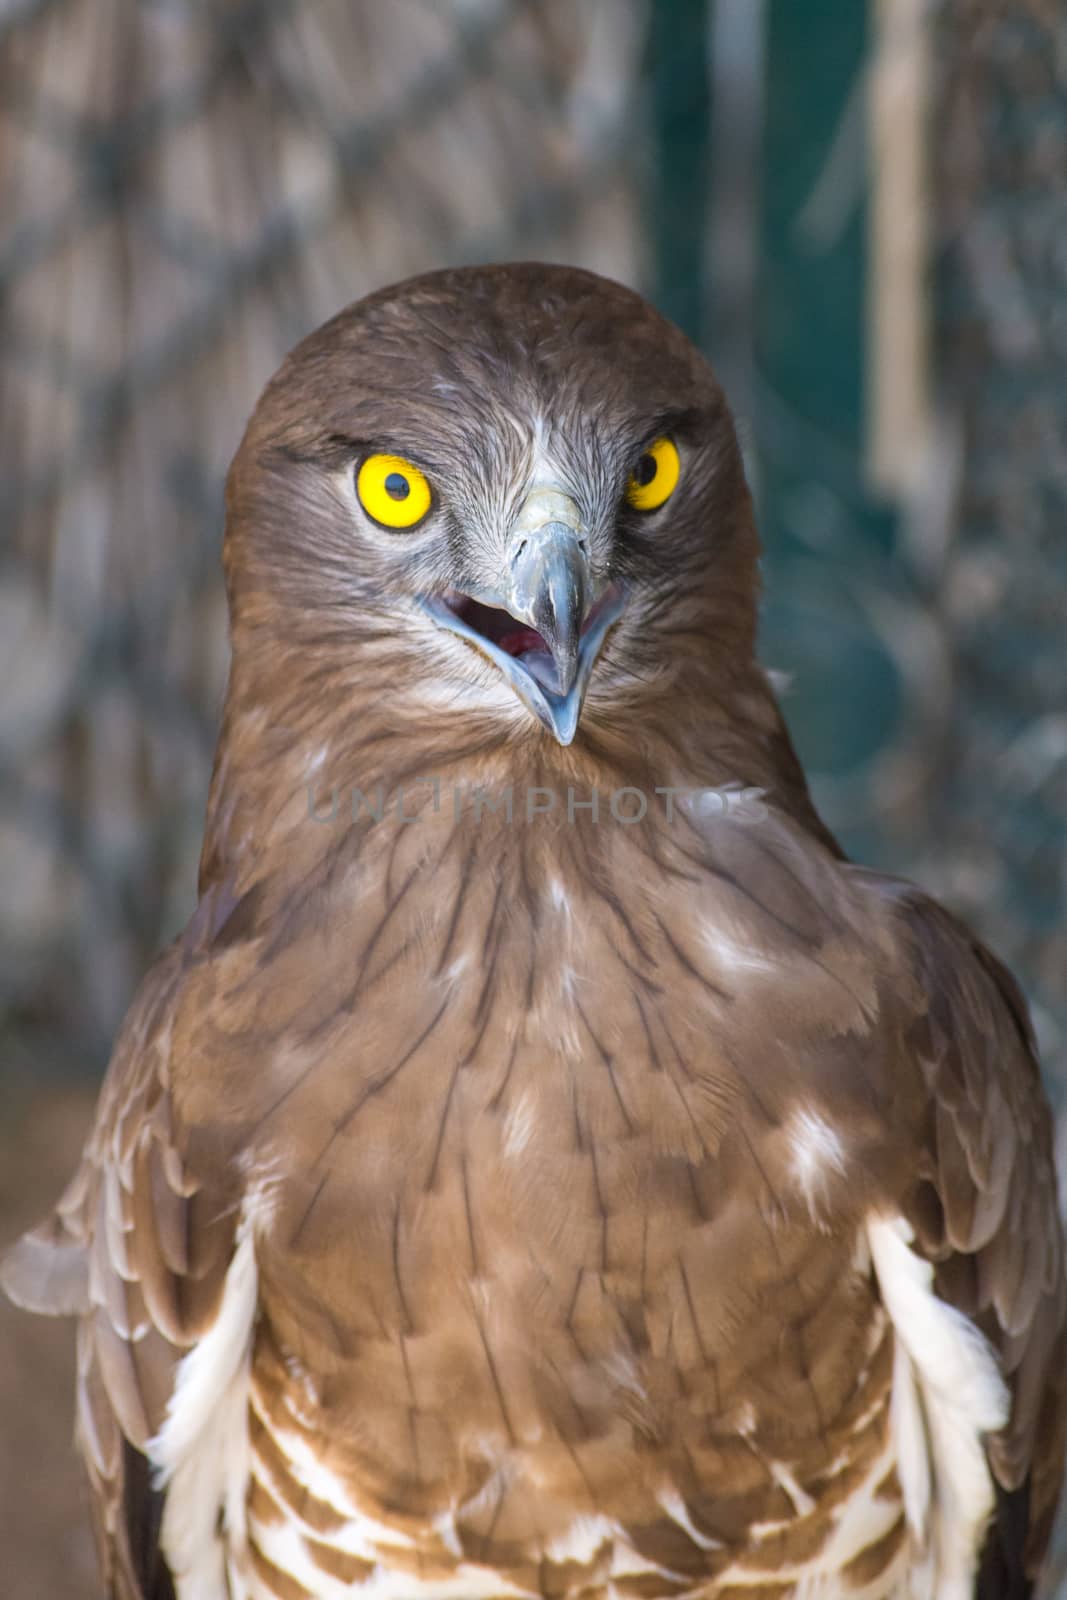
[{"x": 185, "y": 190}]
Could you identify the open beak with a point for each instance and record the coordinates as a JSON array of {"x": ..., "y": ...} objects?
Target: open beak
[{"x": 544, "y": 626}]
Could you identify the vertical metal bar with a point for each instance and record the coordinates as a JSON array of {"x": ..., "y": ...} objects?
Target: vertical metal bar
[{"x": 897, "y": 377}]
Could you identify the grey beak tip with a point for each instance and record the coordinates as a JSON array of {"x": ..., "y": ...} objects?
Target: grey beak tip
[{"x": 566, "y": 669}]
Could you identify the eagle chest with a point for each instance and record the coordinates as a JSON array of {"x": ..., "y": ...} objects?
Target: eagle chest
[
  {"x": 488, "y": 1453},
  {"x": 539, "y": 1291}
]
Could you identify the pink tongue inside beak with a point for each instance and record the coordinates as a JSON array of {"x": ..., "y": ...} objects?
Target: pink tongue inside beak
[{"x": 518, "y": 640}]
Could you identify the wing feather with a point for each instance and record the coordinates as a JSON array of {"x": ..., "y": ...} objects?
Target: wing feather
[
  {"x": 995, "y": 1237},
  {"x": 125, "y": 1251}
]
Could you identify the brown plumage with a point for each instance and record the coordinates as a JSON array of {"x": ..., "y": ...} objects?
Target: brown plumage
[{"x": 546, "y": 1204}]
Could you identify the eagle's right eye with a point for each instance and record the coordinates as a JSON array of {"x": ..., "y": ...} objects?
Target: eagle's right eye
[{"x": 392, "y": 491}]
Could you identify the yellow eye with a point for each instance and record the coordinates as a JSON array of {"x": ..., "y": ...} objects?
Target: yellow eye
[
  {"x": 392, "y": 491},
  {"x": 654, "y": 477}
]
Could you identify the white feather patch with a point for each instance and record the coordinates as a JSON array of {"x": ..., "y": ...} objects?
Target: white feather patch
[
  {"x": 200, "y": 1454},
  {"x": 583, "y": 1539},
  {"x": 520, "y": 1125},
  {"x": 676, "y": 1509},
  {"x": 735, "y": 958},
  {"x": 947, "y": 1393},
  {"x": 558, "y": 896},
  {"x": 816, "y": 1153},
  {"x": 470, "y": 1583}
]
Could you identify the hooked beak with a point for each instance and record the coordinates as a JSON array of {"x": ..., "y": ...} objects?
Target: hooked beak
[
  {"x": 547, "y": 587},
  {"x": 543, "y": 627}
]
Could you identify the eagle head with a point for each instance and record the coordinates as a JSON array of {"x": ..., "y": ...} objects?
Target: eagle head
[{"x": 506, "y": 492}]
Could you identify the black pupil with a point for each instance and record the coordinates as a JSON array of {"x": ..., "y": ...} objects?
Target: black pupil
[
  {"x": 645, "y": 470},
  {"x": 397, "y": 486}
]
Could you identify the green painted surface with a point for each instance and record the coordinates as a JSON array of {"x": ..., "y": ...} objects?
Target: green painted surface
[
  {"x": 678, "y": 191},
  {"x": 828, "y": 542}
]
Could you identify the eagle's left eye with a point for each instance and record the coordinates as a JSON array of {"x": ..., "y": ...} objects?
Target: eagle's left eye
[
  {"x": 392, "y": 491},
  {"x": 653, "y": 479}
]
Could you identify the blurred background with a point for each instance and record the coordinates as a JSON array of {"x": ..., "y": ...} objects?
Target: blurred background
[{"x": 858, "y": 209}]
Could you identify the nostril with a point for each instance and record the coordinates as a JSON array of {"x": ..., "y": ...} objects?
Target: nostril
[{"x": 519, "y": 552}]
